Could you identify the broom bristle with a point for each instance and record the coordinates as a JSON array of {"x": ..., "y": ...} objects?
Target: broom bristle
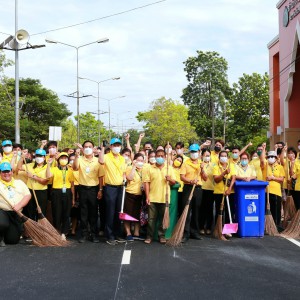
[
  {"x": 293, "y": 228},
  {"x": 270, "y": 226},
  {"x": 218, "y": 228},
  {"x": 289, "y": 210},
  {"x": 166, "y": 219},
  {"x": 177, "y": 234}
]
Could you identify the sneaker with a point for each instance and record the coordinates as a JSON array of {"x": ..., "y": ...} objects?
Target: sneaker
[
  {"x": 208, "y": 232},
  {"x": 111, "y": 242},
  {"x": 120, "y": 240},
  {"x": 129, "y": 238},
  {"x": 228, "y": 235},
  {"x": 202, "y": 231},
  {"x": 2, "y": 243},
  {"x": 63, "y": 237},
  {"x": 82, "y": 239},
  {"x": 95, "y": 239},
  {"x": 138, "y": 238}
]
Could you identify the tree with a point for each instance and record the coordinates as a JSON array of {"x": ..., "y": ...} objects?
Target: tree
[
  {"x": 167, "y": 120},
  {"x": 249, "y": 109},
  {"x": 206, "y": 92}
]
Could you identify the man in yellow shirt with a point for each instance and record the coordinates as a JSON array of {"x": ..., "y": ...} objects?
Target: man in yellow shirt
[
  {"x": 7, "y": 151},
  {"x": 114, "y": 178},
  {"x": 219, "y": 144},
  {"x": 191, "y": 173},
  {"x": 157, "y": 179},
  {"x": 89, "y": 190}
]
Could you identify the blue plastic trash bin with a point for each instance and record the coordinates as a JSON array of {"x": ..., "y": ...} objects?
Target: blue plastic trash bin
[{"x": 250, "y": 207}]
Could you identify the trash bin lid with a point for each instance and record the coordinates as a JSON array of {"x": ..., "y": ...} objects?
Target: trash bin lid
[{"x": 251, "y": 183}]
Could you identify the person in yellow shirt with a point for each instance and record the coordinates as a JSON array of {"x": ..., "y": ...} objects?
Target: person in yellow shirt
[
  {"x": 219, "y": 144},
  {"x": 133, "y": 196},
  {"x": 37, "y": 181},
  {"x": 295, "y": 175},
  {"x": 177, "y": 163},
  {"x": 273, "y": 172},
  {"x": 223, "y": 172},
  {"x": 90, "y": 190},
  {"x": 157, "y": 180},
  {"x": 207, "y": 204},
  {"x": 114, "y": 178},
  {"x": 192, "y": 173},
  {"x": 179, "y": 148},
  {"x": 17, "y": 193},
  {"x": 62, "y": 192},
  {"x": 7, "y": 151},
  {"x": 244, "y": 171}
]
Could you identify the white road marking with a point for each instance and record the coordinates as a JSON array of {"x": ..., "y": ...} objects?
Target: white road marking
[
  {"x": 294, "y": 241},
  {"x": 126, "y": 257}
]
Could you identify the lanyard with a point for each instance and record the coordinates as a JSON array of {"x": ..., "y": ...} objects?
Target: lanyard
[{"x": 64, "y": 174}]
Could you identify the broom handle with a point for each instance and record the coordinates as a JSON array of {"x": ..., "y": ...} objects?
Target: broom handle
[
  {"x": 193, "y": 188},
  {"x": 268, "y": 196},
  {"x": 225, "y": 185},
  {"x": 229, "y": 211},
  {"x": 123, "y": 197},
  {"x": 8, "y": 202},
  {"x": 167, "y": 190}
]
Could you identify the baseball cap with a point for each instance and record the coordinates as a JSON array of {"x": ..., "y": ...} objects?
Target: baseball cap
[
  {"x": 272, "y": 153},
  {"x": 5, "y": 166},
  {"x": 63, "y": 154},
  {"x": 6, "y": 142},
  {"x": 194, "y": 147},
  {"x": 40, "y": 152},
  {"x": 115, "y": 141}
]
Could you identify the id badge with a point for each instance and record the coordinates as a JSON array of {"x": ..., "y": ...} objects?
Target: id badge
[
  {"x": 87, "y": 170},
  {"x": 11, "y": 193},
  {"x": 64, "y": 190}
]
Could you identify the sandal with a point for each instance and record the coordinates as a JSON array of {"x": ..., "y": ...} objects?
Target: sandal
[
  {"x": 147, "y": 241},
  {"x": 162, "y": 240}
]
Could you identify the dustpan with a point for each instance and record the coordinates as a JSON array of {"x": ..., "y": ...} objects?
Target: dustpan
[
  {"x": 232, "y": 227},
  {"x": 123, "y": 216}
]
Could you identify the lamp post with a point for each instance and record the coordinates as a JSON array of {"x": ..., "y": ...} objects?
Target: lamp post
[
  {"x": 104, "y": 40},
  {"x": 98, "y": 83}
]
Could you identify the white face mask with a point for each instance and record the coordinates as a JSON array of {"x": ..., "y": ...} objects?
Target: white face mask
[
  {"x": 271, "y": 160},
  {"x": 179, "y": 151},
  {"x": 39, "y": 160},
  {"x": 116, "y": 150},
  {"x": 152, "y": 160},
  {"x": 168, "y": 150},
  {"x": 126, "y": 158},
  {"x": 255, "y": 157},
  {"x": 52, "y": 151},
  {"x": 139, "y": 164},
  {"x": 88, "y": 151},
  {"x": 223, "y": 159},
  {"x": 194, "y": 155},
  {"x": 7, "y": 149},
  {"x": 71, "y": 162},
  {"x": 206, "y": 158}
]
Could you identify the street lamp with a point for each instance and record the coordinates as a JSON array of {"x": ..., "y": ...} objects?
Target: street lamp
[
  {"x": 104, "y": 40},
  {"x": 98, "y": 83}
]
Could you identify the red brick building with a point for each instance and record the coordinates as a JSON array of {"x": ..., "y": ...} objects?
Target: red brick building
[{"x": 284, "y": 72}]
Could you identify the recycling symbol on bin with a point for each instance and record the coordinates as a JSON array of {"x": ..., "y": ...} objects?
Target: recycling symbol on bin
[{"x": 251, "y": 208}]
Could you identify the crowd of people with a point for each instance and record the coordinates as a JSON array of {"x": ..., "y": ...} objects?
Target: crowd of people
[{"x": 83, "y": 190}]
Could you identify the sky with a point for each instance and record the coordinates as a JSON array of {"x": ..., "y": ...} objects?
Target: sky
[{"x": 146, "y": 49}]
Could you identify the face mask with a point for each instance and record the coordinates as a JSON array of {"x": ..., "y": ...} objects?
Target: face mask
[
  {"x": 160, "y": 160},
  {"x": 71, "y": 162},
  {"x": 206, "y": 158},
  {"x": 179, "y": 151},
  {"x": 194, "y": 155},
  {"x": 28, "y": 160},
  {"x": 139, "y": 164},
  {"x": 19, "y": 153},
  {"x": 177, "y": 163},
  {"x": 244, "y": 162},
  {"x": 168, "y": 150},
  {"x": 217, "y": 148},
  {"x": 52, "y": 151},
  {"x": 259, "y": 153},
  {"x": 255, "y": 157},
  {"x": 88, "y": 151},
  {"x": 116, "y": 150},
  {"x": 235, "y": 156},
  {"x": 63, "y": 162},
  {"x": 223, "y": 159},
  {"x": 39, "y": 160},
  {"x": 271, "y": 160},
  {"x": 126, "y": 158},
  {"x": 152, "y": 160},
  {"x": 7, "y": 149}
]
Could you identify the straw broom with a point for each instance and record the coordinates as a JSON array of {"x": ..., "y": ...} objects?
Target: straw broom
[
  {"x": 293, "y": 228},
  {"x": 177, "y": 233},
  {"x": 44, "y": 221},
  {"x": 166, "y": 218},
  {"x": 270, "y": 226}
]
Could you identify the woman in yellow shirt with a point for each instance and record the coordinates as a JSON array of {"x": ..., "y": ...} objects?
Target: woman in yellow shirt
[
  {"x": 62, "y": 192},
  {"x": 177, "y": 163},
  {"x": 245, "y": 171},
  {"x": 133, "y": 196},
  {"x": 207, "y": 204},
  {"x": 221, "y": 172}
]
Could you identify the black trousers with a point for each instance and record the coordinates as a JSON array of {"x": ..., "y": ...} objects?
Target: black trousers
[
  {"x": 10, "y": 227},
  {"x": 206, "y": 209},
  {"x": 88, "y": 203},
  {"x": 296, "y": 197},
  {"x": 218, "y": 200},
  {"x": 61, "y": 204},
  {"x": 113, "y": 201},
  {"x": 192, "y": 221},
  {"x": 31, "y": 209},
  {"x": 275, "y": 207}
]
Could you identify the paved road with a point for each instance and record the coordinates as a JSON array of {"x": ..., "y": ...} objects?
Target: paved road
[{"x": 267, "y": 268}]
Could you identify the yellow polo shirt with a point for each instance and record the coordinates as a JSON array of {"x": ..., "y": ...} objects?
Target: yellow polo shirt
[
  {"x": 15, "y": 193},
  {"x": 40, "y": 172},
  {"x": 134, "y": 186},
  {"x": 177, "y": 175},
  {"x": 88, "y": 171},
  {"x": 7, "y": 157},
  {"x": 214, "y": 157},
  {"x": 61, "y": 178},
  {"x": 208, "y": 170},
  {"x": 191, "y": 171},
  {"x": 277, "y": 171},
  {"x": 220, "y": 186},
  {"x": 296, "y": 170},
  {"x": 114, "y": 169},
  {"x": 249, "y": 171},
  {"x": 75, "y": 175},
  {"x": 158, "y": 184},
  {"x": 256, "y": 164}
]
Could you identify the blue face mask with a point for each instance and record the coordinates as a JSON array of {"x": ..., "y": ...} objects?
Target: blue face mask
[
  {"x": 235, "y": 156},
  {"x": 160, "y": 160},
  {"x": 244, "y": 162}
]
